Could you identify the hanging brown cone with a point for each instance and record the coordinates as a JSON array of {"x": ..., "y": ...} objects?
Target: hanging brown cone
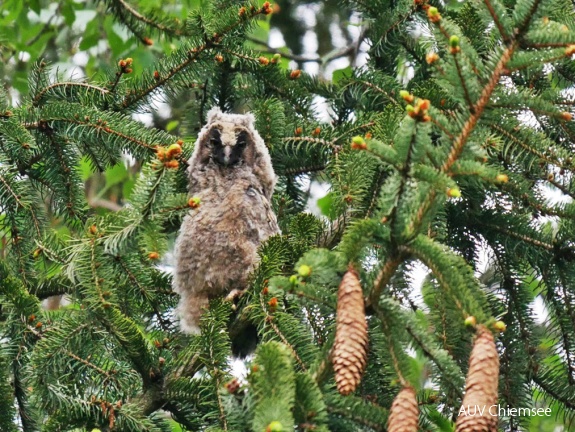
[
  {"x": 350, "y": 347},
  {"x": 404, "y": 413},
  {"x": 480, "y": 386}
]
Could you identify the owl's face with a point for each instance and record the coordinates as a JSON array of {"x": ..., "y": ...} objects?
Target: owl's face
[{"x": 228, "y": 145}]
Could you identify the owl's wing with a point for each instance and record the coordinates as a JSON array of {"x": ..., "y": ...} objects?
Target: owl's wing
[
  {"x": 271, "y": 227},
  {"x": 272, "y": 219}
]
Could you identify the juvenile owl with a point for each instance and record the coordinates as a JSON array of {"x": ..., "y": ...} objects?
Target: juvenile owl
[{"x": 231, "y": 172}]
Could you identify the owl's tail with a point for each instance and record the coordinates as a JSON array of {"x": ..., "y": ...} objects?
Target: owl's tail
[{"x": 190, "y": 310}]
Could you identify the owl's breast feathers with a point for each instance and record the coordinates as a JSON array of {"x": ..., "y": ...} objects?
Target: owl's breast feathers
[{"x": 218, "y": 243}]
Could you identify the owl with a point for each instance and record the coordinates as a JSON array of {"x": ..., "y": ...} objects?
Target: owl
[{"x": 231, "y": 172}]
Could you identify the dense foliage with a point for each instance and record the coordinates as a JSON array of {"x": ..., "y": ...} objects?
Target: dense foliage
[{"x": 443, "y": 149}]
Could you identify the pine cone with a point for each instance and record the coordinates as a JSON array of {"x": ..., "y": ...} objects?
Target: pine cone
[
  {"x": 481, "y": 386},
  {"x": 404, "y": 413},
  {"x": 350, "y": 347}
]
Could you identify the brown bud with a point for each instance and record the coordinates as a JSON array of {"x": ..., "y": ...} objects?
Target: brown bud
[
  {"x": 431, "y": 57},
  {"x": 295, "y": 74},
  {"x": 267, "y": 8},
  {"x": 173, "y": 151},
  {"x": 232, "y": 386},
  {"x": 172, "y": 164},
  {"x": 194, "y": 202},
  {"x": 273, "y": 303}
]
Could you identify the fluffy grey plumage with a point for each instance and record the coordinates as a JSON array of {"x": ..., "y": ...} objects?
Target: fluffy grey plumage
[{"x": 231, "y": 172}]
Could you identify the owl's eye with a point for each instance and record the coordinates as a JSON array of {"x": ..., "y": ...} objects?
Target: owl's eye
[
  {"x": 241, "y": 140},
  {"x": 251, "y": 191},
  {"x": 215, "y": 138}
]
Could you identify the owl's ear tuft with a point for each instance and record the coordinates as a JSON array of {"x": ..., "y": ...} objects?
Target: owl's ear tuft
[
  {"x": 249, "y": 120},
  {"x": 213, "y": 114}
]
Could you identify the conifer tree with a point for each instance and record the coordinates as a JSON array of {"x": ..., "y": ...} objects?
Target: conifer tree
[{"x": 445, "y": 146}]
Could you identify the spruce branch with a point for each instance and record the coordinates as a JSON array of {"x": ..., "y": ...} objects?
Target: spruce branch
[
  {"x": 19, "y": 203},
  {"x": 192, "y": 56},
  {"x": 354, "y": 130},
  {"x": 123, "y": 329},
  {"x": 467, "y": 129},
  {"x": 303, "y": 169},
  {"x": 562, "y": 188},
  {"x": 353, "y": 408},
  {"x": 379, "y": 180},
  {"x": 179, "y": 415},
  {"x": 72, "y": 198},
  {"x": 40, "y": 94},
  {"x": 133, "y": 98},
  {"x": 567, "y": 299},
  {"x": 109, "y": 376},
  {"x": 239, "y": 55},
  {"x": 289, "y": 56},
  {"x": 98, "y": 125},
  {"x": 433, "y": 353},
  {"x": 524, "y": 26},
  {"x": 522, "y": 237},
  {"x": 132, "y": 277},
  {"x": 506, "y": 38},
  {"x": 462, "y": 82},
  {"x": 478, "y": 108},
  {"x": 148, "y": 207},
  {"x": 379, "y": 90},
  {"x": 440, "y": 125},
  {"x": 548, "y": 388},
  {"x": 129, "y": 10},
  {"x": 525, "y": 146},
  {"x": 548, "y": 44},
  {"x": 269, "y": 320},
  {"x": 384, "y": 276},
  {"x": 24, "y": 412},
  {"x": 392, "y": 351},
  {"x": 402, "y": 18},
  {"x": 529, "y": 201},
  {"x": 342, "y": 52},
  {"x": 459, "y": 285},
  {"x": 298, "y": 139}
]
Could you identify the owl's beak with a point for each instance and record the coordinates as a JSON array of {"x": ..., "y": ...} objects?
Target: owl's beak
[
  {"x": 223, "y": 155},
  {"x": 227, "y": 154}
]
